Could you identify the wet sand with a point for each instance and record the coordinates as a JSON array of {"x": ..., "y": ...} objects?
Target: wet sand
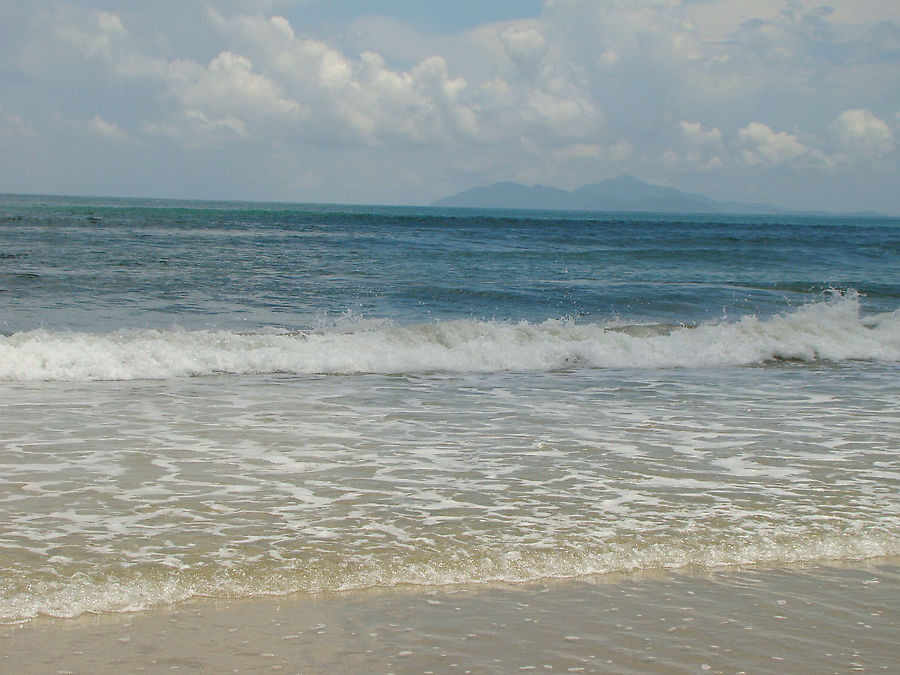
[{"x": 809, "y": 619}]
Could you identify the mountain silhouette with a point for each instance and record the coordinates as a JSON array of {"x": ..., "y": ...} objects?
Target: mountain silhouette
[{"x": 624, "y": 193}]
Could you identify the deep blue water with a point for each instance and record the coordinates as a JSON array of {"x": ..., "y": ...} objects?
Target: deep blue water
[{"x": 100, "y": 264}]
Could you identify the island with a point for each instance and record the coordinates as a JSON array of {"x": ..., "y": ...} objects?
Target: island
[{"x": 623, "y": 193}]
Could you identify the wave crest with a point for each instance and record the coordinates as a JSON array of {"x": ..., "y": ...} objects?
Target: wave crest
[{"x": 831, "y": 330}]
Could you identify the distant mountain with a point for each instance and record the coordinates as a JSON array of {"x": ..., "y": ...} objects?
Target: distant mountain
[
  {"x": 624, "y": 193},
  {"x": 510, "y": 196}
]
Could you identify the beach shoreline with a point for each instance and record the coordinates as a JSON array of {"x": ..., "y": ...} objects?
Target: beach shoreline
[
  {"x": 812, "y": 618},
  {"x": 226, "y": 400}
]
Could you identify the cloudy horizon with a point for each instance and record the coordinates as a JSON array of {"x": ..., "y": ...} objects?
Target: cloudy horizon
[{"x": 790, "y": 103}]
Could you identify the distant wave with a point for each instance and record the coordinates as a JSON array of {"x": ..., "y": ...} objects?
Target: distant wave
[{"x": 829, "y": 330}]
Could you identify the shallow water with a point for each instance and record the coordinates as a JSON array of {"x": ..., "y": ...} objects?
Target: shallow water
[
  {"x": 125, "y": 494},
  {"x": 812, "y": 619},
  {"x": 231, "y": 401}
]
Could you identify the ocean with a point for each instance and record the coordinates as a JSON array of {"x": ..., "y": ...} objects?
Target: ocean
[{"x": 237, "y": 401}]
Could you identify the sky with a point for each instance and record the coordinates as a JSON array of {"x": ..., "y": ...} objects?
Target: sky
[{"x": 788, "y": 102}]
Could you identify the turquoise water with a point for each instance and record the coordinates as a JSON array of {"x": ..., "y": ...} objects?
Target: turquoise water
[{"x": 233, "y": 399}]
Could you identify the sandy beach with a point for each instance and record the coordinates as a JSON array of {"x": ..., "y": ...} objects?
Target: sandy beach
[{"x": 809, "y": 619}]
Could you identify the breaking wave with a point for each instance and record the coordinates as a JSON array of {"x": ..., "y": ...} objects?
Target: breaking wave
[{"x": 830, "y": 330}]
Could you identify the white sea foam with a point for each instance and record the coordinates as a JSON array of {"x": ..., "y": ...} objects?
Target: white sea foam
[
  {"x": 124, "y": 495},
  {"x": 830, "y": 330},
  {"x": 84, "y": 594}
]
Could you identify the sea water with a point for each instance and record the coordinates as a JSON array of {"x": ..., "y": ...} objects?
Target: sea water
[{"x": 231, "y": 400}]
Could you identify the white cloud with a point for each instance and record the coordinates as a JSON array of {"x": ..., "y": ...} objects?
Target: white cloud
[
  {"x": 13, "y": 127},
  {"x": 526, "y": 47},
  {"x": 98, "y": 37},
  {"x": 274, "y": 85},
  {"x": 763, "y": 145},
  {"x": 733, "y": 56},
  {"x": 315, "y": 94},
  {"x": 702, "y": 161},
  {"x": 229, "y": 86},
  {"x": 194, "y": 129},
  {"x": 702, "y": 147},
  {"x": 670, "y": 157},
  {"x": 862, "y": 134},
  {"x": 722, "y": 18},
  {"x": 695, "y": 133},
  {"x": 71, "y": 34},
  {"x": 109, "y": 130},
  {"x": 582, "y": 90}
]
